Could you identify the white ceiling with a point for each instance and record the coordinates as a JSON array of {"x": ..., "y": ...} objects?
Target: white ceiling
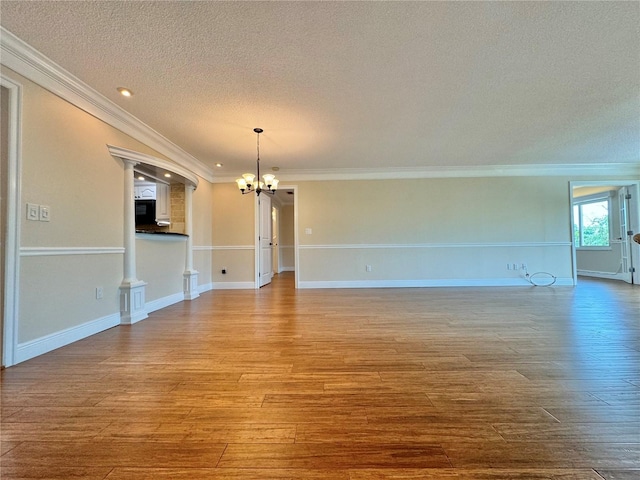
[{"x": 360, "y": 85}]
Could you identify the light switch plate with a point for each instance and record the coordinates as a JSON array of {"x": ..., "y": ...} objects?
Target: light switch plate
[
  {"x": 33, "y": 211},
  {"x": 45, "y": 214}
]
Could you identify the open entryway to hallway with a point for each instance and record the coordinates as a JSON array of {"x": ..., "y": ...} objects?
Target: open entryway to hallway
[{"x": 277, "y": 238}]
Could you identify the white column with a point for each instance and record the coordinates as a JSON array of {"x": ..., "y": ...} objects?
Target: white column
[
  {"x": 190, "y": 283},
  {"x": 132, "y": 290},
  {"x": 129, "y": 225}
]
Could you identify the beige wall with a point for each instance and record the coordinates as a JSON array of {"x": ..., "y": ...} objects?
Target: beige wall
[
  {"x": 160, "y": 263},
  {"x": 287, "y": 252},
  {"x": 201, "y": 215},
  {"x": 433, "y": 229},
  {"x": 450, "y": 210},
  {"x": 233, "y": 242},
  {"x": 57, "y": 292}
]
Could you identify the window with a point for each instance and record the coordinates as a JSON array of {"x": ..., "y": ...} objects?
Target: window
[{"x": 591, "y": 221}]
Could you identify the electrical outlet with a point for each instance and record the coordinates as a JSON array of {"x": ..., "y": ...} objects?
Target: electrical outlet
[
  {"x": 508, "y": 266},
  {"x": 224, "y": 271},
  {"x": 33, "y": 211},
  {"x": 514, "y": 266},
  {"x": 99, "y": 293},
  {"x": 523, "y": 266},
  {"x": 368, "y": 268}
]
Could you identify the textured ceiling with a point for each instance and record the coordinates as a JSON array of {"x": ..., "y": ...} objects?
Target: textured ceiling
[{"x": 360, "y": 85}]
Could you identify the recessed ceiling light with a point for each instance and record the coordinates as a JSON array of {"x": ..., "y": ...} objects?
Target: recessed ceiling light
[
  {"x": 140, "y": 177},
  {"x": 167, "y": 175},
  {"x": 218, "y": 165},
  {"x": 125, "y": 92},
  {"x": 275, "y": 169}
]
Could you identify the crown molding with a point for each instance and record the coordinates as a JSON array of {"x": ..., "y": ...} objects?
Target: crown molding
[
  {"x": 533, "y": 170},
  {"x": 30, "y": 63}
]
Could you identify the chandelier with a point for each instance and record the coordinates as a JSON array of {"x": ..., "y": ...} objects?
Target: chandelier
[{"x": 248, "y": 182}]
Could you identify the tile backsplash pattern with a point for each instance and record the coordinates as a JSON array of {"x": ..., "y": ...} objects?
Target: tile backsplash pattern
[{"x": 177, "y": 208}]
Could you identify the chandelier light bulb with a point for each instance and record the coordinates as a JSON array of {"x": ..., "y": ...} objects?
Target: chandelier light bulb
[
  {"x": 242, "y": 185},
  {"x": 248, "y": 178}
]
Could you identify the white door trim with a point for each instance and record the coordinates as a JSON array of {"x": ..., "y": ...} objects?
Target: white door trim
[
  {"x": 296, "y": 245},
  {"x": 12, "y": 246}
]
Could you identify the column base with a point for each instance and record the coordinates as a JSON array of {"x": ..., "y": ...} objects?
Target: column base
[
  {"x": 132, "y": 306},
  {"x": 190, "y": 285}
]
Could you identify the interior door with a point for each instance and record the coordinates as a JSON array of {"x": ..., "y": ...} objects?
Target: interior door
[{"x": 265, "y": 270}]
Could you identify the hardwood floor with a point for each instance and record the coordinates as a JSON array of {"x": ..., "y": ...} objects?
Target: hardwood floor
[{"x": 440, "y": 383}]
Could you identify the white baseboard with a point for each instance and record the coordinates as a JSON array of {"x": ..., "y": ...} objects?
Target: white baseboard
[
  {"x": 163, "y": 302},
  {"x": 287, "y": 269},
  {"x": 445, "y": 282},
  {"x": 233, "y": 286},
  {"x": 591, "y": 273},
  {"x": 205, "y": 287},
  {"x": 48, "y": 343}
]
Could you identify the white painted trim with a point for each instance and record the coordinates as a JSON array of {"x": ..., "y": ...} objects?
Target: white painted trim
[
  {"x": 472, "y": 171},
  {"x": 48, "y": 343},
  {"x": 191, "y": 290},
  {"x": 13, "y": 218},
  {"x": 233, "y": 286},
  {"x": 436, "y": 245},
  {"x": 596, "y": 274},
  {"x": 163, "y": 302},
  {"x": 55, "y": 251},
  {"x": 205, "y": 287},
  {"x": 27, "y": 61},
  {"x": 296, "y": 240},
  {"x": 445, "y": 282},
  {"x": 137, "y": 157},
  {"x": 287, "y": 269}
]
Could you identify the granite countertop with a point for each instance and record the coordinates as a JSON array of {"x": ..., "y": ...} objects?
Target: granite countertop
[{"x": 159, "y": 232}]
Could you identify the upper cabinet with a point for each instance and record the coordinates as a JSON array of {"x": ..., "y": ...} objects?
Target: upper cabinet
[
  {"x": 144, "y": 191},
  {"x": 163, "y": 204}
]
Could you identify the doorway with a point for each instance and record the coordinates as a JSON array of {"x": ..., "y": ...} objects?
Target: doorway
[
  {"x": 283, "y": 249},
  {"x": 604, "y": 217}
]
